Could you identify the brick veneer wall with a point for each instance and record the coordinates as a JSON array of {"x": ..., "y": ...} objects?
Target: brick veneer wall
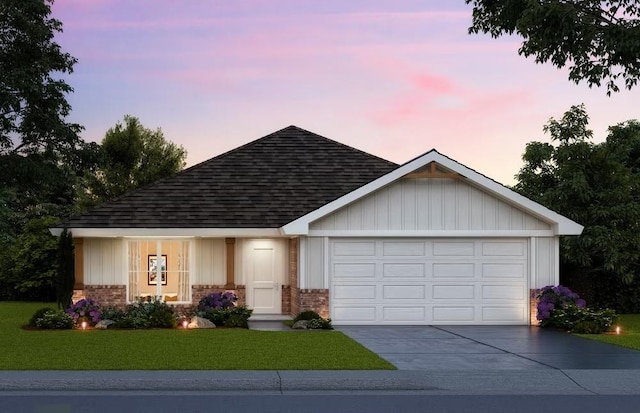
[
  {"x": 200, "y": 290},
  {"x": 316, "y": 300},
  {"x": 107, "y": 295},
  {"x": 533, "y": 307},
  {"x": 286, "y": 299},
  {"x": 294, "y": 292}
]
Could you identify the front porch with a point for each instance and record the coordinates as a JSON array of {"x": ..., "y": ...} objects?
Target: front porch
[{"x": 263, "y": 273}]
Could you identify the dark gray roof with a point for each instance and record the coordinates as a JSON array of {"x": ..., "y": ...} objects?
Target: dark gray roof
[{"x": 266, "y": 183}]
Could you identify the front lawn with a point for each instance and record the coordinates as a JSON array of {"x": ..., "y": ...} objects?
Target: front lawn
[
  {"x": 630, "y": 336},
  {"x": 219, "y": 349}
]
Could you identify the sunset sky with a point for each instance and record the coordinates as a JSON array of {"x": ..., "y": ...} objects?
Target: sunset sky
[{"x": 393, "y": 78}]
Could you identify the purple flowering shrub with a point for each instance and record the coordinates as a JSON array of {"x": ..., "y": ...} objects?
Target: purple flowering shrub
[
  {"x": 222, "y": 310},
  {"x": 559, "y": 307},
  {"x": 85, "y": 310},
  {"x": 551, "y": 298},
  {"x": 217, "y": 301}
]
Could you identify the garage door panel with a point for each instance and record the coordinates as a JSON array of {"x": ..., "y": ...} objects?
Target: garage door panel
[
  {"x": 503, "y": 314},
  {"x": 355, "y": 313},
  {"x": 503, "y": 292},
  {"x": 403, "y": 249},
  {"x": 503, "y": 270},
  {"x": 503, "y": 249},
  {"x": 355, "y": 292},
  {"x": 404, "y": 314},
  {"x": 453, "y": 249},
  {"x": 400, "y": 270},
  {"x": 453, "y": 270},
  {"x": 453, "y": 292},
  {"x": 403, "y": 292},
  {"x": 356, "y": 270},
  {"x": 450, "y": 314},
  {"x": 353, "y": 248}
]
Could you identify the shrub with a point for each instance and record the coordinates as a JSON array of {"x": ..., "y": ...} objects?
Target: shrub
[
  {"x": 38, "y": 315},
  {"x": 55, "y": 319},
  {"x": 149, "y": 312},
  {"x": 217, "y": 301},
  {"x": 113, "y": 314},
  {"x": 85, "y": 310},
  {"x": 228, "y": 317},
  {"x": 559, "y": 307},
  {"x": 320, "y": 324},
  {"x": 307, "y": 315},
  {"x": 554, "y": 297},
  {"x": 584, "y": 320},
  {"x": 237, "y": 321}
]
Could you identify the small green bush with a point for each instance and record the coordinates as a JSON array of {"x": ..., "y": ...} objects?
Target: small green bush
[
  {"x": 38, "y": 315},
  {"x": 55, "y": 320},
  {"x": 307, "y": 315},
  {"x": 583, "y": 320},
  {"x": 237, "y": 321},
  {"x": 228, "y": 317},
  {"x": 149, "y": 312},
  {"x": 320, "y": 324}
]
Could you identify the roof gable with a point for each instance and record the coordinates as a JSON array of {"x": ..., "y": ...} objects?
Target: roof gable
[
  {"x": 435, "y": 164},
  {"x": 263, "y": 184}
]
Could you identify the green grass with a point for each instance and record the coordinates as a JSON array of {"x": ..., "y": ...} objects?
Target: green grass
[
  {"x": 630, "y": 336},
  {"x": 219, "y": 349}
]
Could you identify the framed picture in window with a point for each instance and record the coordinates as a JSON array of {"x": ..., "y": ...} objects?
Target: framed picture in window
[{"x": 153, "y": 269}]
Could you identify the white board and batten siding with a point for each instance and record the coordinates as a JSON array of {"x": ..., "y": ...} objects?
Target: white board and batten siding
[
  {"x": 104, "y": 261},
  {"x": 429, "y": 281},
  {"x": 211, "y": 261},
  {"x": 429, "y": 204}
]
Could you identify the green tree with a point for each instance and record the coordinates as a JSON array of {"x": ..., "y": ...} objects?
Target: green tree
[
  {"x": 597, "y": 39},
  {"x": 33, "y": 103},
  {"x": 29, "y": 264},
  {"x": 132, "y": 156},
  {"x": 65, "y": 277},
  {"x": 598, "y": 186}
]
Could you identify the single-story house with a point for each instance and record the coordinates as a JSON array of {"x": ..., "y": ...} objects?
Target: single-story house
[{"x": 295, "y": 221}]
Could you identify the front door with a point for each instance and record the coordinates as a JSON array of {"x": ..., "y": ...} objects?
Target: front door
[{"x": 264, "y": 275}]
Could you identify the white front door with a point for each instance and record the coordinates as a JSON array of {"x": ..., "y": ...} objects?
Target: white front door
[{"x": 264, "y": 276}]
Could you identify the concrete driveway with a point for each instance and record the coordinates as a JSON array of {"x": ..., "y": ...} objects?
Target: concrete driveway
[{"x": 488, "y": 348}]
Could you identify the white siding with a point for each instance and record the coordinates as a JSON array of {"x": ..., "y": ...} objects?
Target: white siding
[
  {"x": 429, "y": 204},
  {"x": 104, "y": 261},
  {"x": 545, "y": 265},
  {"x": 315, "y": 263},
  {"x": 210, "y": 262}
]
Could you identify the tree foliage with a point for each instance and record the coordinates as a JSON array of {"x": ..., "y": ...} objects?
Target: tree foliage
[
  {"x": 65, "y": 277},
  {"x": 599, "y": 40},
  {"x": 33, "y": 105},
  {"x": 131, "y": 156},
  {"x": 596, "y": 185},
  {"x": 29, "y": 264}
]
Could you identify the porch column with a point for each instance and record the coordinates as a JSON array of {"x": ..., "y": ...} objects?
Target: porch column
[
  {"x": 78, "y": 263},
  {"x": 231, "y": 263}
]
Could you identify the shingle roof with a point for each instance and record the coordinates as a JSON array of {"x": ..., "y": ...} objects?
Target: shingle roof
[{"x": 263, "y": 184}]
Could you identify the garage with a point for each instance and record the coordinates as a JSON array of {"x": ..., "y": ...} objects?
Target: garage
[
  {"x": 429, "y": 281},
  {"x": 432, "y": 242}
]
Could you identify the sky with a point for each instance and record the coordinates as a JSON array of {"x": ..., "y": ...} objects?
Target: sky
[{"x": 393, "y": 78}]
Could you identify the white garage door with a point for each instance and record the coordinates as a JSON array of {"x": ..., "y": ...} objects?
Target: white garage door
[{"x": 429, "y": 281}]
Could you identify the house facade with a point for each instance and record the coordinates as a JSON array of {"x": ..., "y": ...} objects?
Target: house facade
[{"x": 295, "y": 221}]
